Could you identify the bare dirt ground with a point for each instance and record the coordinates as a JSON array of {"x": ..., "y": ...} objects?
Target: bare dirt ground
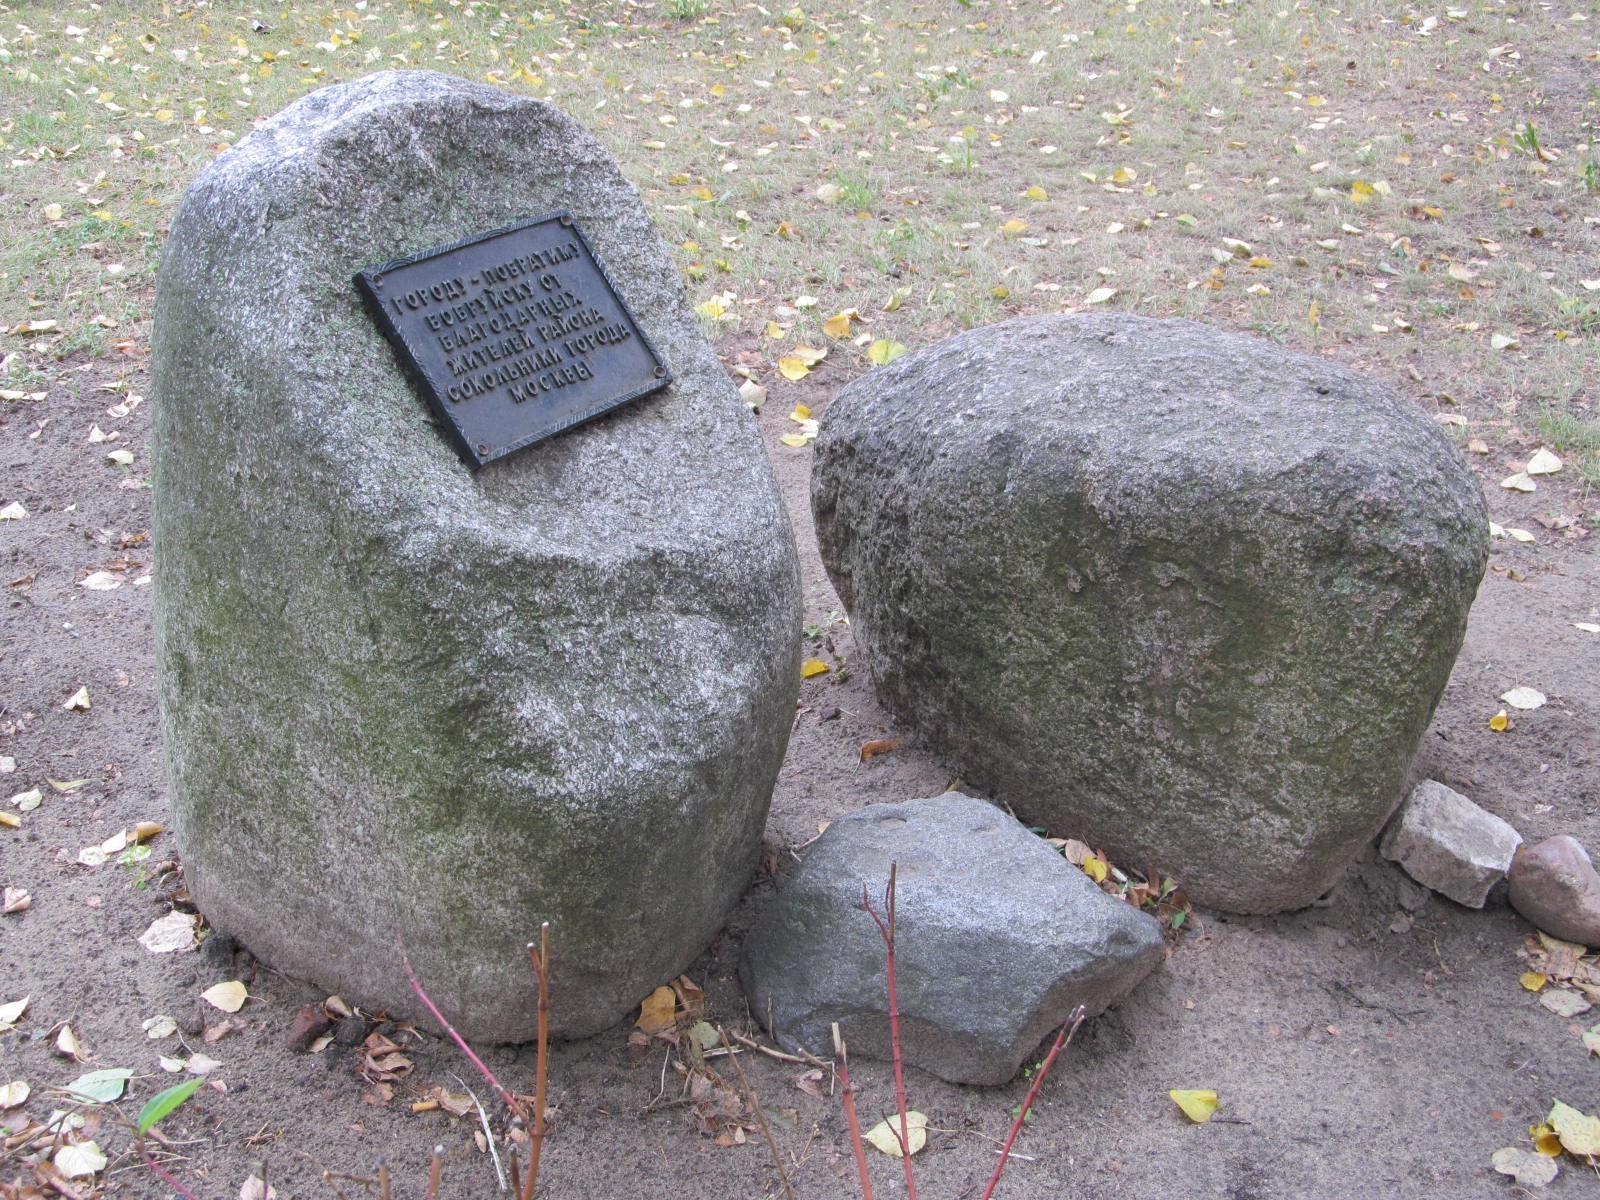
[{"x": 1368, "y": 1046}]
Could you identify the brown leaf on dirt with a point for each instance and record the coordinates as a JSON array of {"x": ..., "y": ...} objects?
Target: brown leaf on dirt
[
  {"x": 716, "y": 1108},
  {"x": 810, "y": 1082},
  {"x": 215, "y": 1033},
  {"x": 658, "y": 1011},
  {"x": 877, "y": 746},
  {"x": 309, "y": 1024},
  {"x": 691, "y": 997}
]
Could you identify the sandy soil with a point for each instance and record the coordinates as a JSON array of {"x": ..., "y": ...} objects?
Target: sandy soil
[{"x": 1377, "y": 1044}]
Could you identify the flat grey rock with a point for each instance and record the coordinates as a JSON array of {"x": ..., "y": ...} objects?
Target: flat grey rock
[
  {"x": 1448, "y": 844},
  {"x": 405, "y": 701},
  {"x": 1554, "y": 885},
  {"x": 998, "y": 939},
  {"x": 1179, "y": 593}
]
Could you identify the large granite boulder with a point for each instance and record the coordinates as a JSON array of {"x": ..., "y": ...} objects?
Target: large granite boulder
[
  {"x": 403, "y": 702},
  {"x": 1179, "y": 593},
  {"x": 998, "y": 938}
]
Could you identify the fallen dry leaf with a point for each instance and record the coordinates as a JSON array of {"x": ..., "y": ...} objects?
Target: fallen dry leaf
[
  {"x": 1530, "y": 1168},
  {"x": 658, "y": 1011},
  {"x": 229, "y": 997},
  {"x": 1525, "y": 698},
  {"x": 878, "y": 746},
  {"x": 1543, "y": 463},
  {"x": 1198, "y": 1104},
  {"x": 885, "y": 1135}
]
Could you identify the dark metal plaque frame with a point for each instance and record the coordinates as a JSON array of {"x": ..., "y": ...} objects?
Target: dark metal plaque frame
[{"x": 513, "y": 335}]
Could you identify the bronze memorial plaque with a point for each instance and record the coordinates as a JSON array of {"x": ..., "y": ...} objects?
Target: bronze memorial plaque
[{"x": 513, "y": 335}]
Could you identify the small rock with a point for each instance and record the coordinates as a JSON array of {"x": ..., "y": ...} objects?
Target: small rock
[
  {"x": 310, "y": 1023},
  {"x": 1447, "y": 843},
  {"x": 351, "y": 1031},
  {"x": 218, "y": 950},
  {"x": 1554, "y": 885},
  {"x": 998, "y": 939}
]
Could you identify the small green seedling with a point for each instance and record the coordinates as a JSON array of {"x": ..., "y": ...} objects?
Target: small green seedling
[{"x": 164, "y": 1104}]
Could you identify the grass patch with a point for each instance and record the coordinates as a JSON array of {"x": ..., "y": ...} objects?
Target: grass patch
[{"x": 1408, "y": 191}]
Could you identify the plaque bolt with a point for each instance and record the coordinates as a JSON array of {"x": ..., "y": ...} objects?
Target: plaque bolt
[
  {"x": 661, "y": 372},
  {"x": 566, "y": 219},
  {"x": 483, "y": 447}
]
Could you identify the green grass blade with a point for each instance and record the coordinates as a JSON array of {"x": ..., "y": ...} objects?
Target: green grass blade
[{"x": 162, "y": 1104}]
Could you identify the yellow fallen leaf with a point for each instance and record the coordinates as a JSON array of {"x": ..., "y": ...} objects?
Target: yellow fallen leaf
[
  {"x": 1123, "y": 176},
  {"x": 809, "y": 355},
  {"x": 52, "y": 212},
  {"x": 10, "y": 820},
  {"x": 1313, "y": 313},
  {"x": 702, "y": 193},
  {"x": 800, "y": 412},
  {"x": 752, "y": 393},
  {"x": 145, "y": 830},
  {"x": 1036, "y": 193},
  {"x": 838, "y": 325},
  {"x": 658, "y": 1010},
  {"x": 1013, "y": 227},
  {"x": 1361, "y": 193},
  {"x": 78, "y": 701},
  {"x": 792, "y": 368},
  {"x": 882, "y": 352},
  {"x": 1100, "y": 295},
  {"x": 713, "y": 308},
  {"x": 1545, "y": 1140},
  {"x": 794, "y": 439},
  {"x": 812, "y": 666},
  {"x": 1197, "y": 1104},
  {"x": 885, "y": 1135},
  {"x": 1500, "y": 722},
  {"x": 1532, "y": 980},
  {"x": 1096, "y": 868},
  {"x": 229, "y": 997},
  {"x": 1579, "y": 1132}
]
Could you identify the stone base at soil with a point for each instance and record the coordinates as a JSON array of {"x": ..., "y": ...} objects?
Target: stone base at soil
[
  {"x": 403, "y": 701},
  {"x": 1181, "y": 594}
]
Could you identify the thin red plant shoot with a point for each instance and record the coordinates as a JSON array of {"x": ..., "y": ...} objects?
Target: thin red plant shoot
[
  {"x": 416, "y": 986},
  {"x": 168, "y": 1179},
  {"x": 886, "y": 931},
  {"x": 541, "y": 969},
  {"x": 848, "y": 1094},
  {"x": 1063, "y": 1039}
]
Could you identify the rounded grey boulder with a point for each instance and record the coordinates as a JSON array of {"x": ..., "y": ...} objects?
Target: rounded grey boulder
[
  {"x": 1179, "y": 593},
  {"x": 406, "y": 703}
]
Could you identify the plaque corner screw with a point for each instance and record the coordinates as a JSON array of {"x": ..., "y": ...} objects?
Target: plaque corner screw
[
  {"x": 661, "y": 372},
  {"x": 566, "y": 218},
  {"x": 483, "y": 447}
]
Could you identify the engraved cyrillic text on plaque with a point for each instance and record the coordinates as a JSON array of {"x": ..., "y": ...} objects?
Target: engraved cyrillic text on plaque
[{"x": 514, "y": 335}]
